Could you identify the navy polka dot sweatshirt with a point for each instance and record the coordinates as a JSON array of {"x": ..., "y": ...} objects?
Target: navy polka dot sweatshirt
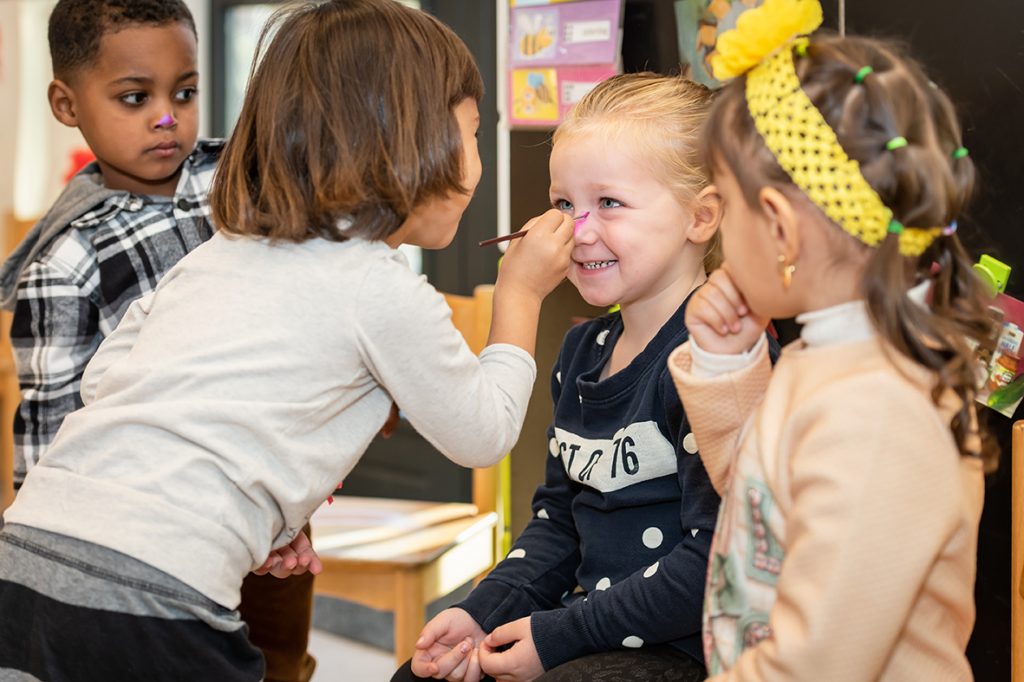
[{"x": 617, "y": 549}]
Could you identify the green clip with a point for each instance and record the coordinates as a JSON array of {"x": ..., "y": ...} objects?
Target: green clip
[
  {"x": 895, "y": 227},
  {"x": 960, "y": 152},
  {"x": 801, "y": 48},
  {"x": 896, "y": 143},
  {"x": 994, "y": 273},
  {"x": 862, "y": 74}
]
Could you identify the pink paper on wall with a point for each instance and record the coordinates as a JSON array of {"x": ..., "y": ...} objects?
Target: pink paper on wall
[{"x": 565, "y": 34}]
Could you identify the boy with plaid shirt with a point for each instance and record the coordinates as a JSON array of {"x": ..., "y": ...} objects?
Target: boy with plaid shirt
[{"x": 125, "y": 75}]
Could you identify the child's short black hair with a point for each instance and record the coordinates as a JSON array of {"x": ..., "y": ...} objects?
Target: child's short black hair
[{"x": 76, "y": 26}]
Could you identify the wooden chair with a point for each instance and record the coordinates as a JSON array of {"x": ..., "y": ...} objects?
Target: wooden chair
[
  {"x": 400, "y": 555},
  {"x": 14, "y": 230},
  {"x": 1017, "y": 554}
]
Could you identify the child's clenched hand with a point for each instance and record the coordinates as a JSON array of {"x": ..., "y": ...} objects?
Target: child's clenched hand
[
  {"x": 295, "y": 558},
  {"x": 718, "y": 318}
]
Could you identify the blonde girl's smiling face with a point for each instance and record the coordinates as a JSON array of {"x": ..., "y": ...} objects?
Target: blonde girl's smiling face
[{"x": 633, "y": 247}]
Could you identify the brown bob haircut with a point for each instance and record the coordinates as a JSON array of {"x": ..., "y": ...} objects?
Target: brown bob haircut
[{"x": 348, "y": 116}]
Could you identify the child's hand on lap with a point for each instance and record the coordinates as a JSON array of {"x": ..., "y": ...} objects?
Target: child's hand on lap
[
  {"x": 520, "y": 662},
  {"x": 295, "y": 558},
  {"x": 719, "y": 319},
  {"x": 446, "y": 648}
]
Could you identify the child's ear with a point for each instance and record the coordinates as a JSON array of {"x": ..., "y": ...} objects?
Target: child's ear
[
  {"x": 783, "y": 224},
  {"x": 62, "y": 103},
  {"x": 707, "y": 215}
]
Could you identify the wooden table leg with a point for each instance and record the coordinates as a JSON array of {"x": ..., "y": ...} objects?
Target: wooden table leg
[{"x": 410, "y": 612}]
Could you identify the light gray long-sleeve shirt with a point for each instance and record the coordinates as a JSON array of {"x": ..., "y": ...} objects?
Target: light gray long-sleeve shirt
[{"x": 230, "y": 402}]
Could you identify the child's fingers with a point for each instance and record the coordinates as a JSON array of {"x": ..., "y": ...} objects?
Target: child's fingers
[
  {"x": 422, "y": 663},
  {"x": 502, "y": 635},
  {"x": 567, "y": 230},
  {"x": 459, "y": 673},
  {"x": 490, "y": 660},
  {"x": 703, "y": 311},
  {"x": 725, "y": 315},
  {"x": 548, "y": 222},
  {"x": 721, "y": 280},
  {"x": 289, "y": 559},
  {"x": 473, "y": 670},
  {"x": 447, "y": 663},
  {"x": 267, "y": 565}
]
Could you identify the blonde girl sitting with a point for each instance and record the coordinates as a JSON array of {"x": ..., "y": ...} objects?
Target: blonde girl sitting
[{"x": 606, "y": 581}]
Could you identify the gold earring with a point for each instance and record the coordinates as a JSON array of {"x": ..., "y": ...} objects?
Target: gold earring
[{"x": 786, "y": 270}]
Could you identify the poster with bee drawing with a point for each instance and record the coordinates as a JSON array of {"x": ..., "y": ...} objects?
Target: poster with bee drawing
[
  {"x": 576, "y": 33},
  {"x": 542, "y": 96},
  {"x": 533, "y": 35},
  {"x": 534, "y": 96}
]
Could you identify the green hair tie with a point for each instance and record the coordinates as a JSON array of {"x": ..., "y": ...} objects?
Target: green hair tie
[
  {"x": 896, "y": 143},
  {"x": 862, "y": 74},
  {"x": 960, "y": 152},
  {"x": 895, "y": 227},
  {"x": 801, "y": 48}
]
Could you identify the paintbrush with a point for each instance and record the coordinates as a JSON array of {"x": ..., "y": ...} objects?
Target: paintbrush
[{"x": 520, "y": 233}]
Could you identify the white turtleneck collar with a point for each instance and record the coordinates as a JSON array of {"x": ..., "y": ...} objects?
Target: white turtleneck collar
[{"x": 844, "y": 323}]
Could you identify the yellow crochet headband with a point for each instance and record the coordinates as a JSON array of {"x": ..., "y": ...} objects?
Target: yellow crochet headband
[{"x": 802, "y": 142}]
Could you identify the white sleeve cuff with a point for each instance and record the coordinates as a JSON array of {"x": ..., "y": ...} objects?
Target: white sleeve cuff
[{"x": 707, "y": 364}]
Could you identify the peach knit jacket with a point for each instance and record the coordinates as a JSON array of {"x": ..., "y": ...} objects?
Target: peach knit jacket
[{"x": 845, "y": 546}]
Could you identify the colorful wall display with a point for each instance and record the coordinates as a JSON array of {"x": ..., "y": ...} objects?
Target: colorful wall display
[{"x": 557, "y": 53}]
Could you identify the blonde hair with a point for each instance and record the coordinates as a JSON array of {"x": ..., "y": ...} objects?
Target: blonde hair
[
  {"x": 349, "y": 115},
  {"x": 661, "y": 117},
  {"x": 923, "y": 183}
]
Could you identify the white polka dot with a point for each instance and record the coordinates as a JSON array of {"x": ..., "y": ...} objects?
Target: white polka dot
[
  {"x": 553, "y": 447},
  {"x": 651, "y": 570},
  {"x": 633, "y": 642},
  {"x": 653, "y": 537},
  {"x": 543, "y": 514},
  {"x": 690, "y": 443},
  {"x": 693, "y": 532},
  {"x": 517, "y": 554},
  {"x": 603, "y": 584},
  {"x": 602, "y": 337},
  {"x": 558, "y": 376}
]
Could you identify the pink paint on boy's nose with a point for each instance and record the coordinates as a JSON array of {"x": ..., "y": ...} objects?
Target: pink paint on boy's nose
[{"x": 165, "y": 121}]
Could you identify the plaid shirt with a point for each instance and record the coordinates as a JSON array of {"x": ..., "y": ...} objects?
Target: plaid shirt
[{"x": 75, "y": 291}]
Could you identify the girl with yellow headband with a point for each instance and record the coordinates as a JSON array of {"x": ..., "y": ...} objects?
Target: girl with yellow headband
[{"x": 852, "y": 473}]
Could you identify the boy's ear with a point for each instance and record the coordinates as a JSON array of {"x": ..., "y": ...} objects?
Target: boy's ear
[
  {"x": 783, "y": 225},
  {"x": 62, "y": 103},
  {"x": 707, "y": 215}
]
